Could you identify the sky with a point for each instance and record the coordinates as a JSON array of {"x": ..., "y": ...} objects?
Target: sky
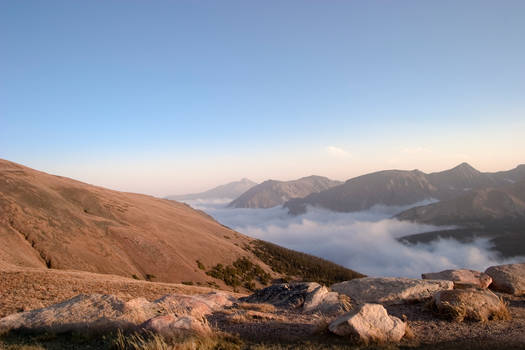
[{"x": 169, "y": 97}]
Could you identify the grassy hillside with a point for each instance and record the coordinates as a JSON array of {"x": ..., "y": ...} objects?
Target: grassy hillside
[{"x": 300, "y": 265}]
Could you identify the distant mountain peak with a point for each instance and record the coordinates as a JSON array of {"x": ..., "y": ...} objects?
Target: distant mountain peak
[
  {"x": 463, "y": 169},
  {"x": 271, "y": 193},
  {"x": 464, "y": 166}
]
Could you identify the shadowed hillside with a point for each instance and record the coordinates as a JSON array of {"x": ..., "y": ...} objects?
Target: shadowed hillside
[{"x": 494, "y": 213}]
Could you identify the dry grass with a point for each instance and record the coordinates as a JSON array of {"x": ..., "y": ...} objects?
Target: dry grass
[
  {"x": 239, "y": 318},
  {"x": 459, "y": 312},
  {"x": 21, "y": 347},
  {"x": 135, "y": 341},
  {"x": 256, "y": 307},
  {"x": 151, "y": 341},
  {"x": 323, "y": 324},
  {"x": 409, "y": 333},
  {"x": 345, "y": 301}
]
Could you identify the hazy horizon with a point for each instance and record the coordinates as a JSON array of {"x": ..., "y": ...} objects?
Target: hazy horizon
[{"x": 170, "y": 98}]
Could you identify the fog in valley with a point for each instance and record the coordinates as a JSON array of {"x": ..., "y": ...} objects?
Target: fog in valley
[{"x": 364, "y": 241}]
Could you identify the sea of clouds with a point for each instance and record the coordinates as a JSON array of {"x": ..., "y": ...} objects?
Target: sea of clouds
[{"x": 364, "y": 241}]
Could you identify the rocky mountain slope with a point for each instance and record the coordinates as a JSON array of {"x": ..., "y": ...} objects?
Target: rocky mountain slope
[
  {"x": 400, "y": 187},
  {"x": 53, "y": 222},
  {"x": 271, "y": 193},
  {"x": 497, "y": 214},
  {"x": 490, "y": 206},
  {"x": 229, "y": 190}
]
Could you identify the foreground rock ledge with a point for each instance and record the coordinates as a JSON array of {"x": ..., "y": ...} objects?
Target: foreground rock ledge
[
  {"x": 390, "y": 290},
  {"x": 96, "y": 312},
  {"x": 370, "y": 323}
]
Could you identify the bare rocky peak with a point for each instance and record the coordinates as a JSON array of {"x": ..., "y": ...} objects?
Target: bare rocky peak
[{"x": 272, "y": 193}]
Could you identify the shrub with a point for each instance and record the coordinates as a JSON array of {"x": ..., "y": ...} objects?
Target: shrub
[
  {"x": 305, "y": 266},
  {"x": 201, "y": 265},
  {"x": 241, "y": 272}
]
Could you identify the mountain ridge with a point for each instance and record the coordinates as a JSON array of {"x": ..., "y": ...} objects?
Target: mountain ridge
[
  {"x": 402, "y": 187},
  {"x": 271, "y": 193}
]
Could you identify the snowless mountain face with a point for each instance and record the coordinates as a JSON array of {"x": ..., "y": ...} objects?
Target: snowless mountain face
[
  {"x": 54, "y": 222},
  {"x": 504, "y": 205},
  {"x": 272, "y": 193},
  {"x": 496, "y": 214},
  {"x": 229, "y": 191},
  {"x": 399, "y": 187}
]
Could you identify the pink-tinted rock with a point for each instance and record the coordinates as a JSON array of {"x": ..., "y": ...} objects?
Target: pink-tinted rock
[
  {"x": 461, "y": 277},
  {"x": 508, "y": 278},
  {"x": 170, "y": 326},
  {"x": 370, "y": 323}
]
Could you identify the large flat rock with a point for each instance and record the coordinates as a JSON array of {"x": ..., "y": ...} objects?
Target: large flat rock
[
  {"x": 390, "y": 290},
  {"x": 285, "y": 295},
  {"x": 461, "y": 277},
  {"x": 170, "y": 326},
  {"x": 98, "y": 312},
  {"x": 323, "y": 301},
  {"x": 508, "y": 278},
  {"x": 307, "y": 297}
]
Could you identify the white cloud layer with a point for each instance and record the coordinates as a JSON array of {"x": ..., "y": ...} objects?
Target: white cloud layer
[{"x": 363, "y": 241}]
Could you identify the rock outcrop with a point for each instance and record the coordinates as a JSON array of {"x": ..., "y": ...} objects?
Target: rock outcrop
[
  {"x": 306, "y": 297},
  {"x": 390, "y": 290},
  {"x": 461, "y": 277},
  {"x": 470, "y": 304},
  {"x": 508, "y": 278},
  {"x": 285, "y": 295},
  {"x": 170, "y": 326},
  {"x": 98, "y": 312},
  {"x": 370, "y": 323},
  {"x": 328, "y": 303}
]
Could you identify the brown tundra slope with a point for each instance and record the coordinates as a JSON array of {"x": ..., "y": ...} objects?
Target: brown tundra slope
[{"x": 55, "y": 222}]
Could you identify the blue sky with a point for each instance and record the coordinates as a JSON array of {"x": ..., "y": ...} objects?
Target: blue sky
[{"x": 173, "y": 96}]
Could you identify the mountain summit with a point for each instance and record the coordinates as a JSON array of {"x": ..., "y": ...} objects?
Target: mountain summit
[
  {"x": 271, "y": 193},
  {"x": 229, "y": 191}
]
